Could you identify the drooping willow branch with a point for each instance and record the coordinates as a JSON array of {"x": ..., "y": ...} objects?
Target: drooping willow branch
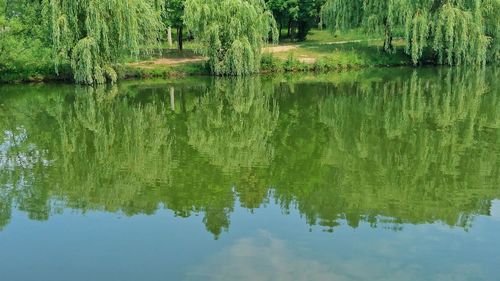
[
  {"x": 92, "y": 34},
  {"x": 458, "y": 31}
]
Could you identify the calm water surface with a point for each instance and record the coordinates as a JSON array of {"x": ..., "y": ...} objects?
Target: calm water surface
[{"x": 388, "y": 174}]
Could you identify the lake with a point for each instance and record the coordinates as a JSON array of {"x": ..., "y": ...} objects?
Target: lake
[{"x": 381, "y": 174}]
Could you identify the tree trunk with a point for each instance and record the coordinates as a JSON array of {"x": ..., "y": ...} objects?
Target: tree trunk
[
  {"x": 303, "y": 28},
  {"x": 169, "y": 36},
  {"x": 388, "y": 47},
  {"x": 280, "y": 26},
  {"x": 289, "y": 29},
  {"x": 179, "y": 37}
]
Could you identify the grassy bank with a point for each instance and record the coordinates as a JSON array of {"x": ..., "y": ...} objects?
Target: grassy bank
[
  {"x": 32, "y": 69},
  {"x": 321, "y": 52},
  {"x": 324, "y": 51}
]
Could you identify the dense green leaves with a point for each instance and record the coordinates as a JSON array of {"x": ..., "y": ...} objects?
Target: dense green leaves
[
  {"x": 231, "y": 33},
  {"x": 374, "y": 16},
  {"x": 24, "y": 50},
  {"x": 458, "y": 31},
  {"x": 93, "y": 34},
  {"x": 300, "y": 14},
  {"x": 173, "y": 17},
  {"x": 174, "y": 10}
]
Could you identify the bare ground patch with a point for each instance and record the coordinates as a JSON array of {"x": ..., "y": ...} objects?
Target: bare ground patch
[
  {"x": 279, "y": 49},
  {"x": 166, "y": 61}
]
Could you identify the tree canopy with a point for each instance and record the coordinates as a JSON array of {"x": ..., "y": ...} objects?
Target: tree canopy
[
  {"x": 231, "y": 33},
  {"x": 303, "y": 14},
  {"x": 458, "y": 31},
  {"x": 92, "y": 34},
  {"x": 173, "y": 17},
  {"x": 23, "y": 43}
]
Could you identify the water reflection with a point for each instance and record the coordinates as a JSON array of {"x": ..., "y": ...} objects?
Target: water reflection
[
  {"x": 270, "y": 256},
  {"x": 413, "y": 150},
  {"x": 418, "y": 147},
  {"x": 232, "y": 125},
  {"x": 263, "y": 257}
]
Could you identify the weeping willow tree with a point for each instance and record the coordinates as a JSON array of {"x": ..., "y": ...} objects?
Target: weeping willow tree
[
  {"x": 231, "y": 33},
  {"x": 92, "y": 34},
  {"x": 457, "y": 31}
]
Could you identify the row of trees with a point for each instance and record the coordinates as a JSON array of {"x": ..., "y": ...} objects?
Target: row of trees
[
  {"x": 91, "y": 36},
  {"x": 458, "y": 31},
  {"x": 297, "y": 17}
]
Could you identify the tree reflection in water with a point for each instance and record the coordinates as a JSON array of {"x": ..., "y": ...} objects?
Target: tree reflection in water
[{"x": 419, "y": 147}]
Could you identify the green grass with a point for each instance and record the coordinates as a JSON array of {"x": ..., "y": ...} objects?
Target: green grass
[
  {"x": 324, "y": 51},
  {"x": 317, "y": 36},
  {"x": 126, "y": 71},
  {"x": 44, "y": 72}
]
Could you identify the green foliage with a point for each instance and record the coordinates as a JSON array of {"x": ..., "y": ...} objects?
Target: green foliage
[
  {"x": 173, "y": 16},
  {"x": 231, "y": 32},
  {"x": 459, "y": 31},
  {"x": 24, "y": 52},
  {"x": 174, "y": 11},
  {"x": 302, "y": 14},
  {"x": 93, "y": 34},
  {"x": 459, "y": 35},
  {"x": 342, "y": 14},
  {"x": 374, "y": 16},
  {"x": 307, "y": 17},
  {"x": 417, "y": 29},
  {"x": 491, "y": 23}
]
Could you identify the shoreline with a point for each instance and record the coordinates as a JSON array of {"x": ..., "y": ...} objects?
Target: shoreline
[
  {"x": 270, "y": 65},
  {"x": 130, "y": 73}
]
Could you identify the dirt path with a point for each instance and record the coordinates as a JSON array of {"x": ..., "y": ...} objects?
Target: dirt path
[
  {"x": 285, "y": 48},
  {"x": 166, "y": 61},
  {"x": 279, "y": 49},
  {"x": 348, "y": 41},
  {"x": 305, "y": 58}
]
